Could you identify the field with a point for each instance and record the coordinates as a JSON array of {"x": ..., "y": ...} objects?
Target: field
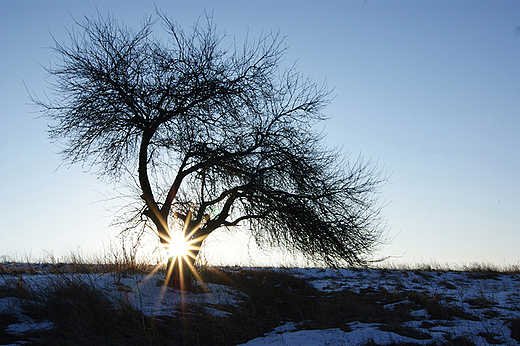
[{"x": 85, "y": 304}]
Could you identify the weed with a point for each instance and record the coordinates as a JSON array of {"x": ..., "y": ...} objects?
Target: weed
[
  {"x": 447, "y": 285},
  {"x": 7, "y": 319},
  {"x": 480, "y": 302},
  {"x": 514, "y": 327},
  {"x": 84, "y": 315},
  {"x": 491, "y": 338},
  {"x": 436, "y": 310},
  {"x": 459, "y": 341}
]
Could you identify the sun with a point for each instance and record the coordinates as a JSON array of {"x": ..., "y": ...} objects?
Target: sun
[
  {"x": 180, "y": 251},
  {"x": 178, "y": 246},
  {"x": 181, "y": 248}
]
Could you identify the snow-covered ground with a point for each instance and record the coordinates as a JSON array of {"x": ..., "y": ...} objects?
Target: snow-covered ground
[
  {"x": 494, "y": 299},
  {"x": 483, "y": 304}
]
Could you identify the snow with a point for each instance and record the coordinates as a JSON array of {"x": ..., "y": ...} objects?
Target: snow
[
  {"x": 20, "y": 328},
  {"x": 304, "y": 338},
  {"x": 11, "y": 304},
  {"x": 361, "y": 332},
  {"x": 499, "y": 293}
]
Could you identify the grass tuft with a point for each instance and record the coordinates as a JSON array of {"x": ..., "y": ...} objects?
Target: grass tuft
[
  {"x": 81, "y": 314},
  {"x": 514, "y": 327}
]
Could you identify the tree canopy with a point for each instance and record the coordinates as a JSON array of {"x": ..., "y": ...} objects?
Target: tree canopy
[{"x": 215, "y": 133}]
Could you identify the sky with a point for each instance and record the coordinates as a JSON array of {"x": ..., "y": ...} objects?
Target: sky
[{"x": 430, "y": 90}]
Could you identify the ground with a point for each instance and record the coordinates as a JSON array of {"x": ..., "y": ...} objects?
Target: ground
[{"x": 59, "y": 304}]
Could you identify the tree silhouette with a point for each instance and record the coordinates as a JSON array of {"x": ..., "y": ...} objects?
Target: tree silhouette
[{"x": 218, "y": 134}]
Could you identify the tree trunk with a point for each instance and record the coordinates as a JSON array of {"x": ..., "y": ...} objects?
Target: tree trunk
[
  {"x": 180, "y": 270},
  {"x": 178, "y": 273}
]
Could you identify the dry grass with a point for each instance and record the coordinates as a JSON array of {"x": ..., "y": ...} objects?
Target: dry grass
[
  {"x": 474, "y": 267},
  {"x": 84, "y": 315}
]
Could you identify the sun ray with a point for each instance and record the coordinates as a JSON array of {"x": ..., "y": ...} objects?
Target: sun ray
[{"x": 180, "y": 249}]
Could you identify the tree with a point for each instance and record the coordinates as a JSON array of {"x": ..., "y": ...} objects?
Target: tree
[{"x": 218, "y": 137}]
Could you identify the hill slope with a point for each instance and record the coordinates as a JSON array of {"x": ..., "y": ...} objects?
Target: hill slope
[{"x": 49, "y": 304}]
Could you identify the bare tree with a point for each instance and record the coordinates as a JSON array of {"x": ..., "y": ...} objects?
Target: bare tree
[{"x": 218, "y": 135}]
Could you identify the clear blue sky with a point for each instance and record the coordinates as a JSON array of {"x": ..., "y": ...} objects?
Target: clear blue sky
[{"x": 429, "y": 89}]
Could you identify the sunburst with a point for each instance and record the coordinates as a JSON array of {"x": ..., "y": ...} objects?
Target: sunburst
[{"x": 181, "y": 247}]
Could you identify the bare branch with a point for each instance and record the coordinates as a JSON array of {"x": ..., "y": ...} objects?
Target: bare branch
[{"x": 219, "y": 137}]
